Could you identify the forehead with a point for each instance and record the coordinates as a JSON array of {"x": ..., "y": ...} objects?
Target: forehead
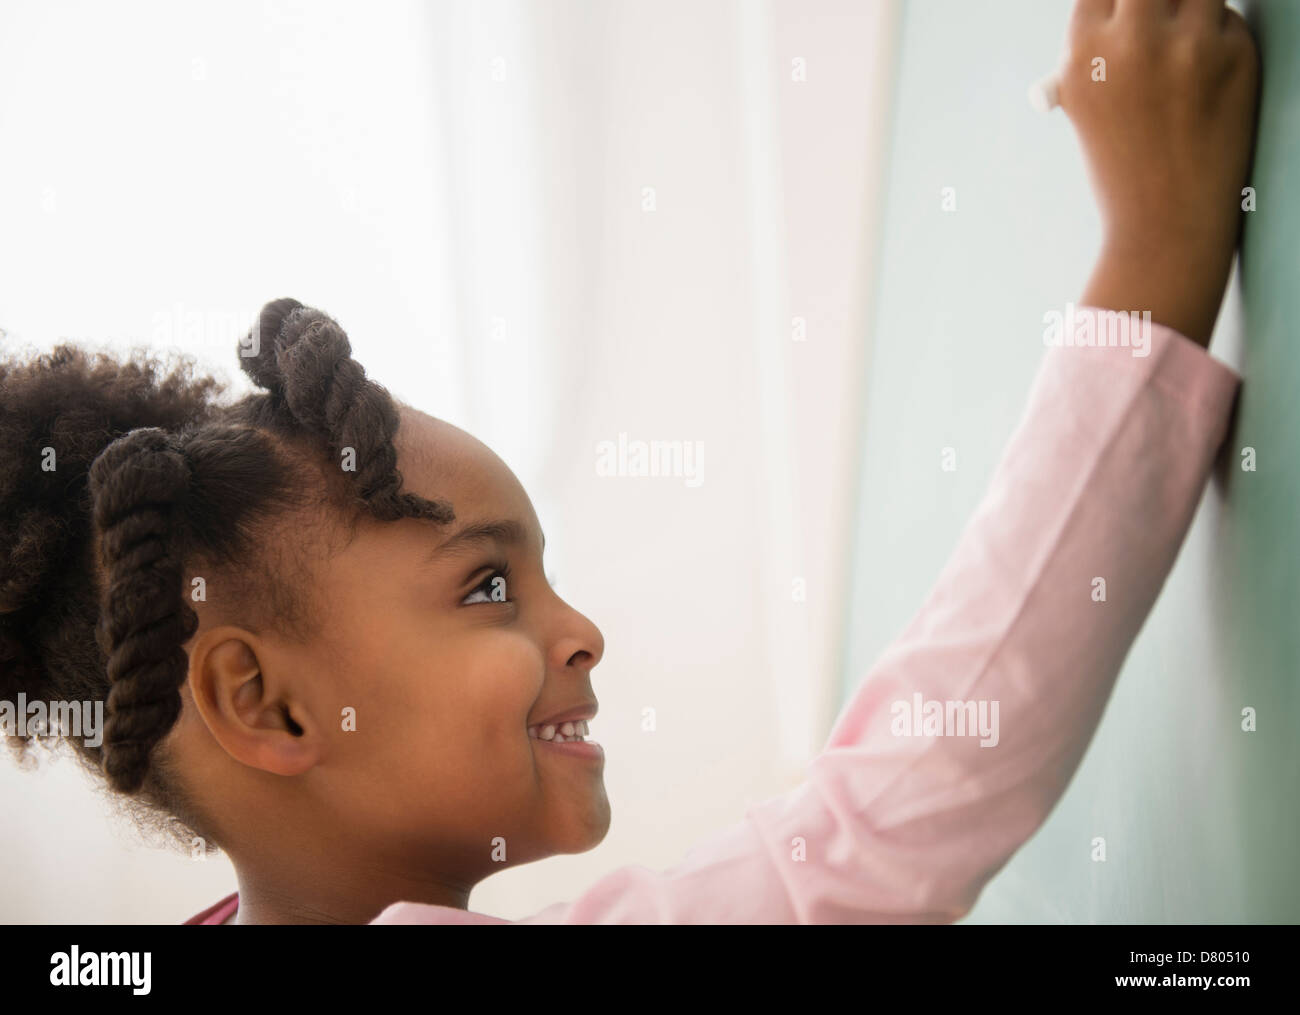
[{"x": 443, "y": 462}]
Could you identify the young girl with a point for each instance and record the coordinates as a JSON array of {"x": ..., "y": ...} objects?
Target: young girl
[{"x": 321, "y": 627}]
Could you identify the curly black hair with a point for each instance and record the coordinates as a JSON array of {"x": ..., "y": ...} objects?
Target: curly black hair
[{"x": 126, "y": 486}]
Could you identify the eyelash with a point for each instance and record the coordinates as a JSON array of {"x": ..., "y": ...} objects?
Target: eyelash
[{"x": 499, "y": 570}]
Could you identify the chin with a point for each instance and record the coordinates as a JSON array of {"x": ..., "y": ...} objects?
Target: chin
[{"x": 581, "y": 837}]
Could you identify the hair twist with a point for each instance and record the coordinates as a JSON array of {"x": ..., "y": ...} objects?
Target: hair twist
[
  {"x": 307, "y": 366},
  {"x": 138, "y": 485}
]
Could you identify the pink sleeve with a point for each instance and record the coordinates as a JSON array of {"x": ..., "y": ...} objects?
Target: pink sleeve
[{"x": 1100, "y": 480}]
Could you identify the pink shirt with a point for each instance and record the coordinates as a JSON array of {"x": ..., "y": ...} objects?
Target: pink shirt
[
  {"x": 218, "y": 912},
  {"x": 1100, "y": 480}
]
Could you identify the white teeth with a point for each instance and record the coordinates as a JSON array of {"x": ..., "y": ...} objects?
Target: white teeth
[{"x": 562, "y": 733}]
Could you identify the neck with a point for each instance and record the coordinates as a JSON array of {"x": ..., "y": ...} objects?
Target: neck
[{"x": 307, "y": 896}]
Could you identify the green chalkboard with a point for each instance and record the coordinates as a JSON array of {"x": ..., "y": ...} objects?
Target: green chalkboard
[
  {"x": 1201, "y": 819},
  {"x": 1260, "y": 558}
]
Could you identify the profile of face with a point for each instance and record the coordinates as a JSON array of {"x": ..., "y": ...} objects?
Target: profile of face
[{"x": 442, "y": 646}]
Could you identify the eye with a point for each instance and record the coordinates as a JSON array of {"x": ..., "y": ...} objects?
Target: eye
[{"x": 493, "y": 588}]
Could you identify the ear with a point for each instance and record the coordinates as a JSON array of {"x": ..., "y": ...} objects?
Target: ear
[{"x": 251, "y": 703}]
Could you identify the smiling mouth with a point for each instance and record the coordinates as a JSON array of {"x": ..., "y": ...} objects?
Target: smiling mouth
[{"x": 562, "y": 733}]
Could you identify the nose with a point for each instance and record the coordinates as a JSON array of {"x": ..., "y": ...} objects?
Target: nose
[{"x": 580, "y": 643}]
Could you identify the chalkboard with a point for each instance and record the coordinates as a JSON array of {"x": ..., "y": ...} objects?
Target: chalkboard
[{"x": 988, "y": 220}]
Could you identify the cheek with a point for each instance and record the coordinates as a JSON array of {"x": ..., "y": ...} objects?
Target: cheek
[
  {"x": 493, "y": 686},
  {"x": 454, "y": 717}
]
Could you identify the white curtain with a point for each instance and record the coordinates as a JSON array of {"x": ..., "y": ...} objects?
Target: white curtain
[{"x": 553, "y": 224}]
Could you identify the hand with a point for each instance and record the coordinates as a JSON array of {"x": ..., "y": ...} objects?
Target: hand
[{"x": 1167, "y": 136}]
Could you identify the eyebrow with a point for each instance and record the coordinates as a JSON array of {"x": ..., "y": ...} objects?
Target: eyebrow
[{"x": 466, "y": 539}]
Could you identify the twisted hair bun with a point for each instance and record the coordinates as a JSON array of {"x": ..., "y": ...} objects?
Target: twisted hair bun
[{"x": 304, "y": 359}]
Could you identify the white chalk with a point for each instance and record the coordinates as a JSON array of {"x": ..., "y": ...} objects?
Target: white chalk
[{"x": 1045, "y": 94}]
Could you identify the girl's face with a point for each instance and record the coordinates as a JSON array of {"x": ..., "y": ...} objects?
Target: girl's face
[{"x": 440, "y": 780}]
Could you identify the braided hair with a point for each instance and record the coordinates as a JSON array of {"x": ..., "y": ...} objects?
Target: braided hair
[{"x": 123, "y": 482}]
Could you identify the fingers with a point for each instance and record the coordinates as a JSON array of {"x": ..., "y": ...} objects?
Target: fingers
[
  {"x": 1147, "y": 12},
  {"x": 1211, "y": 12},
  {"x": 1152, "y": 11},
  {"x": 1092, "y": 10},
  {"x": 1240, "y": 42},
  {"x": 1234, "y": 26}
]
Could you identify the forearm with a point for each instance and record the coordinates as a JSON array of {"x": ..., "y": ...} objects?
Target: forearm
[{"x": 1182, "y": 284}]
